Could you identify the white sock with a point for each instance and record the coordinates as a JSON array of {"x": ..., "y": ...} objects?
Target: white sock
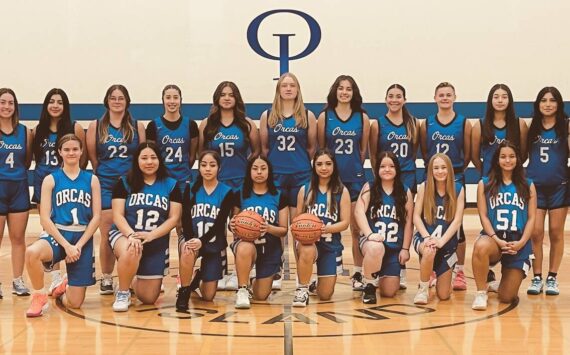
[
  {"x": 55, "y": 274},
  {"x": 370, "y": 281},
  {"x": 458, "y": 268},
  {"x": 424, "y": 284},
  {"x": 357, "y": 269},
  {"x": 41, "y": 291}
]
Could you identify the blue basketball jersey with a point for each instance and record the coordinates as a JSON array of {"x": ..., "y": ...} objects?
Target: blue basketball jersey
[
  {"x": 71, "y": 199},
  {"x": 13, "y": 154},
  {"x": 288, "y": 147},
  {"x": 395, "y": 138},
  {"x": 488, "y": 149},
  {"x": 447, "y": 139},
  {"x": 440, "y": 225},
  {"x": 115, "y": 155},
  {"x": 266, "y": 205},
  {"x": 384, "y": 221},
  {"x": 230, "y": 143},
  {"x": 174, "y": 145},
  {"x": 319, "y": 208},
  {"x": 49, "y": 161},
  {"x": 205, "y": 211},
  {"x": 548, "y": 159},
  {"x": 343, "y": 140},
  {"x": 507, "y": 211}
]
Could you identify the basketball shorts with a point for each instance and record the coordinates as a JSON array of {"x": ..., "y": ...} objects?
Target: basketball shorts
[
  {"x": 409, "y": 180},
  {"x": 107, "y": 185},
  {"x": 268, "y": 255},
  {"x": 445, "y": 258},
  {"x": 354, "y": 189},
  {"x": 154, "y": 262},
  {"x": 551, "y": 197},
  {"x": 14, "y": 197}
]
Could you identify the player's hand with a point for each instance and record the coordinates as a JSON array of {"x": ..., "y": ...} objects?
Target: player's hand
[
  {"x": 264, "y": 228},
  {"x": 194, "y": 244},
  {"x": 135, "y": 245},
  {"x": 233, "y": 224},
  {"x": 439, "y": 243},
  {"x": 430, "y": 242},
  {"x": 511, "y": 248},
  {"x": 404, "y": 256},
  {"x": 73, "y": 253},
  {"x": 376, "y": 237},
  {"x": 144, "y": 237}
]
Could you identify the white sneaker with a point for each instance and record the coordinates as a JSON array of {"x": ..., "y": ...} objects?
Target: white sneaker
[
  {"x": 106, "y": 286},
  {"x": 422, "y": 296},
  {"x": 480, "y": 301},
  {"x": 222, "y": 283},
  {"x": 232, "y": 283},
  {"x": 57, "y": 278},
  {"x": 301, "y": 298},
  {"x": 493, "y": 286},
  {"x": 122, "y": 301},
  {"x": 403, "y": 284},
  {"x": 242, "y": 298},
  {"x": 276, "y": 284}
]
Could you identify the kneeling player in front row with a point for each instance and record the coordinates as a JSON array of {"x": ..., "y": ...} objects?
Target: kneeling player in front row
[
  {"x": 506, "y": 201},
  {"x": 384, "y": 215},
  {"x": 146, "y": 207},
  {"x": 70, "y": 214},
  {"x": 326, "y": 198},
  {"x": 437, "y": 217},
  {"x": 207, "y": 206},
  {"x": 259, "y": 195}
]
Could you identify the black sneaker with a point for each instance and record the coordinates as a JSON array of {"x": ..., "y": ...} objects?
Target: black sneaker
[
  {"x": 357, "y": 283},
  {"x": 369, "y": 294},
  {"x": 183, "y": 298}
]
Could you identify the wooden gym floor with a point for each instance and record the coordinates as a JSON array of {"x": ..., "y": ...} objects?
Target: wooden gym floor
[{"x": 536, "y": 325}]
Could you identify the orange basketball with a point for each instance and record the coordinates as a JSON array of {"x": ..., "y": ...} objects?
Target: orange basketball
[
  {"x": 306, "y": 228},
  {"x": 248, "y": 225}
]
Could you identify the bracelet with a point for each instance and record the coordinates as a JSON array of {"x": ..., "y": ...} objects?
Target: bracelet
[
  {"x": 407, "y": 249},
  {"x": 131, "y": 234},
  {"x": 493, "y": 235}
]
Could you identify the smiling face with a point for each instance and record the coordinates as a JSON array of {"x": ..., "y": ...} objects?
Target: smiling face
[
  {"x": 148, "y": 162},
  {"x": 117, "y": 102},
  {"x": 507, "y": 159},
  {"x": 70, "y": 152},
  {"x": 439, "y": 170},
  {"x": 324, "y": 166},
  {"x": 548, "y": 105},
  {"x": 227, "y": 99},
  {"x": 209, "y": 168},
  {"x": 344, "y": 92},
  {"x": 395, "y": 100},
  {"x": 288, "y": 88},
  {"x": 387, "y": 169},
  {"x": 7, "y": 106},
  {"x": 172, "y": 101},
  {"x": 444, "y": 98}
]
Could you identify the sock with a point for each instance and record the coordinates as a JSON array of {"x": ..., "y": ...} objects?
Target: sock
[
  {"x": 357, "y": 269},
  {"x": 552, "y": 274},
  {"x": 367, "y": 281},
  {"x": 424, "y": 284},
  {"x": 305, "y": 286},
  {"x": 41, "y": 291},
  {"x": 538, "y": 275},
  {"x": 458, "y": 268},
  {"x": 482, "y": 292},
  {"x": 107, "y": 276},
  {"x": 55, "y": 274}
]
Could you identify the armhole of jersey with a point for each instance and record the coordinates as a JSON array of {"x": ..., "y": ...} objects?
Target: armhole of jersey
[
  {"x": 97, "y": 138},
  {"x": 326, "y": 123}
]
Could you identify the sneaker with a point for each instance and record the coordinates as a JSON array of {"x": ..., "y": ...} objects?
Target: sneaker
[
  {"x": 369, "y": 294},
  {"x": 242, "y": 298},
  {"x": 422, "y": 295},
  {"x": 313, "y": 288},
  {"x": 551, "y": 286},
  {"x": 493, "y": 286},
  {"x": 183, "y": 299},
  {"x": 122, "y": 301},
  {"x": 403, "y": 284},
  {"x": 106, "y": 286},
  {"x": 19, "y": 287},
  {"x": 60, "y": 289},
  {"x": 276, "y": 284},
  {"x": 232, "y": 283},
  {"x": 357, "y": 283},
  {"x": 178, "y": 284},
  {"x": 56, "y": 281},
  {"x": 222, "y": 283},
  {"x": 480, "y": 301},
  {"x": 301, "y": 298},
  {"x": 535, "y": 287},
  {"x": 459, "y": 283},
  {"x": 38, "y": 306},
  {"x": 432, "y": 279},
  {"x": 162, "y": 287}
]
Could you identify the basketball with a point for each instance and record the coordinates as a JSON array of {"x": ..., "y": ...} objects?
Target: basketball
[
  {"x": 306, "y": 228},
  {"x": 247, "y": 225}
]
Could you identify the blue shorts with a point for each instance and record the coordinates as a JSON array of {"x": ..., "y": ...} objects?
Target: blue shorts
[
  {"x": 235, "y": 184},
  {"x": 268, "y": 259},
  {"x": 290, "y": 184},
  {"x": 409, "y": 180},
  {"x": 80, "y": 273},
  {"x": 520, "y": 260},
  {"x": 445, "y": 258},
  {"x": 459, "y": 177},
  {"x": 107, "y": 186},
  {"x": 329, "y": 257},
  {"x": 390, "y": 262},
  {"x": 213, "y": 266},
  {"x": 551, "y": 197},
  {"x": 354, "y": 189},
  {"x": 154, "y": 263},
  {"x": 14, "y": 197}
]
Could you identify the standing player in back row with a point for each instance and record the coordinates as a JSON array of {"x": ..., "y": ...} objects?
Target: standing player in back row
[
  {"x": 548, "y": 169},
  {"x": 111, "y": 143},
  {"x": 176, "y": 136},
  {"x": 449, "y": 133},
  {"x": 397, "y": 132},
  {"x": 343, "y": 128}
]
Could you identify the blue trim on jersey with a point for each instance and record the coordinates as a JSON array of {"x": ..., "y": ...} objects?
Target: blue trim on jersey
[
  {"x": 446, "y": 139},
  {"x": 395, "y": 138},
  {"x": 548, "y": 153},
  {"x": 13, "y": 154},
  {"x": 231, "y": 144},
  {"x": 71, "y": 199},
  {"x": 174, "y": 148},
  {"x": 343, "y": 140}
]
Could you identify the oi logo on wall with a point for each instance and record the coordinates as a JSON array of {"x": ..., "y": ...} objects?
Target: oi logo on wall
[{"x": 284, "y": 56}]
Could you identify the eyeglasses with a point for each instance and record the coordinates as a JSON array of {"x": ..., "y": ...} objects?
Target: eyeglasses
[{"x": 117, "y": 99}]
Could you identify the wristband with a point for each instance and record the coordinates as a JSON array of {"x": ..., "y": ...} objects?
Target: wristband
[
  {"x": 494, "y": 235},
  {"x": 368, "y": 236},
  {"x": 406, "y": 249},
  {"x": 131, "y": 234}
]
